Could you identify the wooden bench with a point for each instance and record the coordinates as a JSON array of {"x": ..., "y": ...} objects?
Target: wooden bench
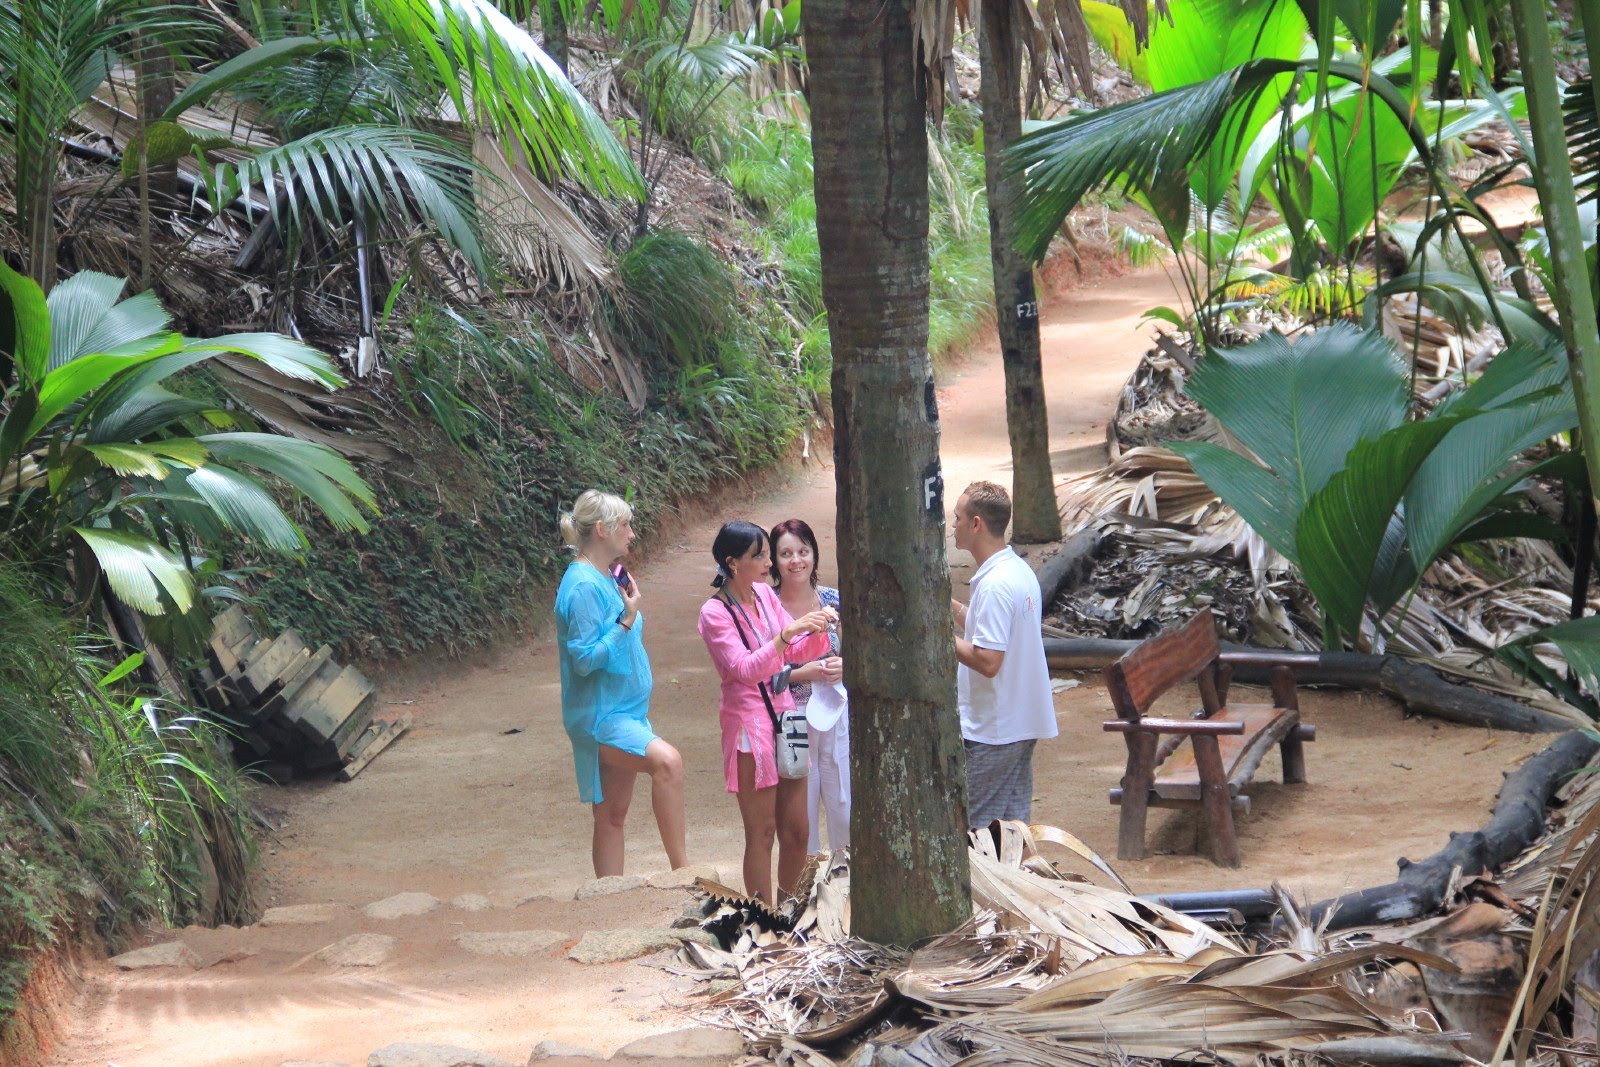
[{"x": 1226, "y": 742}]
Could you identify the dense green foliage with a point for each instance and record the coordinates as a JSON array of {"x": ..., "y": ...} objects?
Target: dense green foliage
[{"x": 105, "y": 795}]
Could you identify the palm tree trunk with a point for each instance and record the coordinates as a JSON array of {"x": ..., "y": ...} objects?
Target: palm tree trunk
[
  {"x": 1034, "y": 516},
  {"x": 1559, "y": 202},
  {"x": 909, "y": 876}
]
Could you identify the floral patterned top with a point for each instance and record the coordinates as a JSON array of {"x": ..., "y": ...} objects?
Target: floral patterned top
[{"x": 829, "y": 597}]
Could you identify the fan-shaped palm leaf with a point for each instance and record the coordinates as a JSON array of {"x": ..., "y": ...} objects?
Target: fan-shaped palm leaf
[
  {"x": 330, "y": 176},
  {"x": 139, "y": 570},
  {"x": 323, "y": 475},
  {"x": 716, "y": 60},
  {"x": 87, "y": 315},
  {"x": 244, "y": 506}
]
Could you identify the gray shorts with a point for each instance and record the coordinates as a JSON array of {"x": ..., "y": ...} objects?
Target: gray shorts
[{"x": 999, "y": 782}]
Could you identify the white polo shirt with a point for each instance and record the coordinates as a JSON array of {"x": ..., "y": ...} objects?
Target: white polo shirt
[{"x": 1005, "y": 616}]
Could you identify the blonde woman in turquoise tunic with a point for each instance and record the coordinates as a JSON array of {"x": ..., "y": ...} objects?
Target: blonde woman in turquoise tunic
[{"x": 605, "y": 683}]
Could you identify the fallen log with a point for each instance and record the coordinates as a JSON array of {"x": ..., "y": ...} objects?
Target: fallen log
[
  {"x": 1421, "y": 689},
  {"x": 1518, "y": 821},
  {"x": 1071, "y": 564}
]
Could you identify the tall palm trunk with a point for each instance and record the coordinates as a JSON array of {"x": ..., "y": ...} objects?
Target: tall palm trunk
[
  {"x": 1034, "y": 517},
  {"x": 1559, "y": 201},
  {"x": 909, "y": 876}
]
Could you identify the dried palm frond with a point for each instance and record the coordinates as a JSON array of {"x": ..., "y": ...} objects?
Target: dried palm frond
[
  {"x": 546, "y": 243},
  {"x": 1050, "y": 969},
  {"x": 1147, "y": 482}
]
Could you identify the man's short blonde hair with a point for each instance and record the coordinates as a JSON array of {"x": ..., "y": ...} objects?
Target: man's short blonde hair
[{"x": 991, "y": 503}]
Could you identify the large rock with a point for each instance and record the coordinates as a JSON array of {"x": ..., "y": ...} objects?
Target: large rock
[
  {"x": 359, "y": 950},
  {"x": 701, "y": 1042},
  {"x": 682, "y": 878},
  {"x": 605, "y": 887},
  {"x": 471, "y": 902},
  {"x": 402, "y": 905},
  {"x": 167, "y": 954},
  {"x": 513, "y": 943},
  {"x": 560, "y": 1050},
  {"x": 300, "y": 915},
  {"x": 612, "y": 946},
  {"x": 413, "y": 1054}
]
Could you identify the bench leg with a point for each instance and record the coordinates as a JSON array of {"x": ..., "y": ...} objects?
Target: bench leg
[
  {"x": 1216, "y": 805},
  {"x": 1136, "y": 783},
  {"x": 1292, "y": 750}
]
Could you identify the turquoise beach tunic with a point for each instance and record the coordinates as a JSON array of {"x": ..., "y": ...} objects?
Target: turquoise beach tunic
[{"x": 605, "y": 674}]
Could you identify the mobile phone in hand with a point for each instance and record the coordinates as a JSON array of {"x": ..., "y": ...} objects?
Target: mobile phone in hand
[{"x": 620, "y": 573}]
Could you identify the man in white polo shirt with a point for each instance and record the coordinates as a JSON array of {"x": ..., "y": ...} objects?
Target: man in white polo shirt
[{"x": 1003, "y": 682}]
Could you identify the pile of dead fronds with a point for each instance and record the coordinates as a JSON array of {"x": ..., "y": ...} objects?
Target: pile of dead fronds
[{"x": 1057, "y": 969}]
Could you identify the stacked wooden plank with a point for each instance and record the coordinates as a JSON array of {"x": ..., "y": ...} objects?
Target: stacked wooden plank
[{"x": 289, "y": 707}]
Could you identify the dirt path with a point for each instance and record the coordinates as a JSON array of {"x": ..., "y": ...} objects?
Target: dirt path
[{"x": 479, "y": 800}]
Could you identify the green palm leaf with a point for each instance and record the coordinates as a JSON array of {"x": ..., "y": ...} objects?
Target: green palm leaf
[
  {"x": 1344, "y": 524},
  {"x": 245, "y": 507},
  {"x": 1260, "y": 497},
  {"x": 1578, "y": 641},
  {"x": 324, "y": 476},
  {"x": 328, "y": 176},
  {"x": 24, "y": 329},
  {"x": 715, "y": 60},
  {"x": 148, "y": 461},
  {"x": 1148, "y": 144},
  {"x": 248, "y": 64},
  {"x": 494, "y": 71},
  {"x": 1302, "y": 407},
  {"x": 1525, "y": 397},
  {"x": 139, "y": 570},
  {"x": 88, "y": 315},
  {"x": 291, "y": 358}
]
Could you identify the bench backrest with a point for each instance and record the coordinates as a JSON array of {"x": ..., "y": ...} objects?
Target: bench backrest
[{"x": 1156, "y": 665}]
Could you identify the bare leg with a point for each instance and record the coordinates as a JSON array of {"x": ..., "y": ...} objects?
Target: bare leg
[
  {"x": 793, "y": 829},
  {"x": 758, "y": 809},
  {"x": 610, "y": 815},
  {"x": 665, "y": 768}
]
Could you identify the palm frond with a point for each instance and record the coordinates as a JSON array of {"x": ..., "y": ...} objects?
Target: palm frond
[
  {"x": 330, "y": 176},
  {"x": 492, "y": 69},
  {"x": 244, "y": 506},
  {"x": 1146, "y": 144},
  {"x": 715, "y": 60},
  {"x": 1142, "y": 250},
  {"x": 272, "y": 55},
  {"x": 324, "y": 476},
  {"x": 139, "y": 570},
  {"x": 87, "y": 315}
]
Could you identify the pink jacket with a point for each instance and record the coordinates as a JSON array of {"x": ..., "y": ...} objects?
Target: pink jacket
[{"x": 740, "y": 668}]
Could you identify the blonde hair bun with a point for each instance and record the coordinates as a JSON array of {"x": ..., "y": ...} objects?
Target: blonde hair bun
[{"x": 590, "y": 509}]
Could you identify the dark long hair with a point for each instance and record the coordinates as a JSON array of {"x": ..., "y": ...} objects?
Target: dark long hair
[
  {"x": 734, "y": 539},
  {"x": 800, "y": 529}
]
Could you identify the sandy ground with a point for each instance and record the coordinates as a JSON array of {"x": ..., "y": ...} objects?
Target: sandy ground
[{"x": 479, "y": 799}]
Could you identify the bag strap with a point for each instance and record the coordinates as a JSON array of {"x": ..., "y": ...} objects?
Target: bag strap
[{"x": 772, "y": 713}]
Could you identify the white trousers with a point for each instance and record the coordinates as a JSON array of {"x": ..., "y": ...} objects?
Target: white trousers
[{"x": 828, "y": 784}]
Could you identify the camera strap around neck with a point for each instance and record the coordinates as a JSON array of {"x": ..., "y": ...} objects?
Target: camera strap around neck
[{"x": 734, "y": 613}]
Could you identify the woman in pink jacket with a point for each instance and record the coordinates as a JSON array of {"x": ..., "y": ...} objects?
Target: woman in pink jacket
[{"x": 751, "y": 638}]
